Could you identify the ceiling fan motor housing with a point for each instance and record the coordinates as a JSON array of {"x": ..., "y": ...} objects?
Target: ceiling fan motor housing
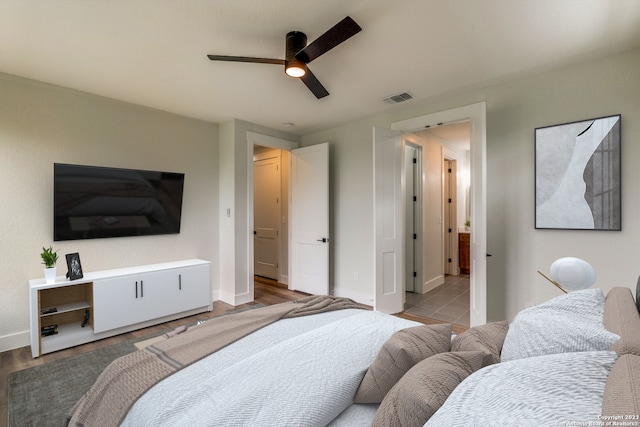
[{"x": 296, "y": 41}]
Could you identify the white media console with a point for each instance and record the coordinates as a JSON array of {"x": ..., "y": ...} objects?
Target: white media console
[{"x": 111, "y": 302}]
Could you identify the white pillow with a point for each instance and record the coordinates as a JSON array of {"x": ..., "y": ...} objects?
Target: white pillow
[
  {"x": 538, "y": 391},
  {"x": 569, "y": 323}
]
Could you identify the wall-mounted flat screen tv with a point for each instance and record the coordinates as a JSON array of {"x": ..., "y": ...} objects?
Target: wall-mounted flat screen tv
[{"x": 92, "y": 202}]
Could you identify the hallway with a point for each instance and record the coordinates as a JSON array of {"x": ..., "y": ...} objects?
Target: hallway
[{"x": 447, "y": 303}]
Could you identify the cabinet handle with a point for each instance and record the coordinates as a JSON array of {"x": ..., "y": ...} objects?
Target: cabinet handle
[
  {"x": 141, "y": 289},
  {"x": 180, "y": 281},
  {"x": 136, "y": 289}
]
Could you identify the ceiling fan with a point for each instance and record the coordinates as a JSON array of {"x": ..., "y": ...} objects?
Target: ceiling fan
[{"x": 298, "y": 54}]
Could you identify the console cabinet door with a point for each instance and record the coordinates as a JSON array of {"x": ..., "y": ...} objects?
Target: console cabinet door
[
  {"x": 124, "y": 301},
  {"x": 191, "y": 288},
  {"x": 128, "y": 300}
]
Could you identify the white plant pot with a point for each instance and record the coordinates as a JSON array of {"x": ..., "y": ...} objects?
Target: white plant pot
[{"x": 50, "y": 275}]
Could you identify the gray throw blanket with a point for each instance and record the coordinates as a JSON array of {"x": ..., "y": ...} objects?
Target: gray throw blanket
[{"x": 126, "y": 379}]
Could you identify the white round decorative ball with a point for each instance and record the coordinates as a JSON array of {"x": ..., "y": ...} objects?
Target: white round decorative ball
[{"x": 573, "y": 273}]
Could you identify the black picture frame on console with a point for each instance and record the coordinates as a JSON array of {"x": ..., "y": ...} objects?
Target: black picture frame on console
[
  {"x": 74, "y": 268},
  {"x": 92, "y": 202},
  {"x": 578, "y": 175}
]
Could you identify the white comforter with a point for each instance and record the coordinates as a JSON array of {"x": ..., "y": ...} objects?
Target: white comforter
[{"x": 295, "y": 372}]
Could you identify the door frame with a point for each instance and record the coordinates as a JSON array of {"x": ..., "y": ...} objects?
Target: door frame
[
  {"x": 476, "y": 114},
  {"x": 417, "y": 215},
  {"x": 450, "y": 242},
  {"x": 254, "y": 138}
]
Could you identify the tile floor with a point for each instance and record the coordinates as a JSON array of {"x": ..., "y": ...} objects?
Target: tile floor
[{"x": 448, "y": 302}]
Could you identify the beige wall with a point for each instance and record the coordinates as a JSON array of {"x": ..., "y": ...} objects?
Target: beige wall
[
  {"x": 592, "y": 89},
  {"x": 41, "y": 124}
]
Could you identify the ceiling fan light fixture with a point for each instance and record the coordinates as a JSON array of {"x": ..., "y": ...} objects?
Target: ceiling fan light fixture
[
  {"x": 298, "y": 54},
  {"x": 295, "y": 68}
]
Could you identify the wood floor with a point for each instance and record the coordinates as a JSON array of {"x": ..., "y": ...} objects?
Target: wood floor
[{"x": 266, "y": 292}]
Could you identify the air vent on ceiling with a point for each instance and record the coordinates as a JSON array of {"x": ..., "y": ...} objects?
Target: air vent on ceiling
[{"x": 397, "y": 98}]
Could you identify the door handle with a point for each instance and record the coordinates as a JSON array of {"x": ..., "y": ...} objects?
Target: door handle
[{"x": 323, "y": 240}]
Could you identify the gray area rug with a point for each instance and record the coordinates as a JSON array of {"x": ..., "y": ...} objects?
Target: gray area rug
[{"x": 42, "y": 395}]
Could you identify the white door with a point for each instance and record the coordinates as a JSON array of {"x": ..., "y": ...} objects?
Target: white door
[
  {"x": 310, "y": 219},
  {"x": 388, "y": 220},
  {"x": 266, "y": 216}
]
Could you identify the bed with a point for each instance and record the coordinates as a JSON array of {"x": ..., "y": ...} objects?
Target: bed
[{"x": 322, "y": 361}]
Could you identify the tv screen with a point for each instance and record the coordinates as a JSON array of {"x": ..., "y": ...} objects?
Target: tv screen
[{"x": 92, "y": 202}]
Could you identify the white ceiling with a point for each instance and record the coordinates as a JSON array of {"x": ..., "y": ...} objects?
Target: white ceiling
[
  {"x": 153, "y": 52},
  {"x": 456, "y": 136}
]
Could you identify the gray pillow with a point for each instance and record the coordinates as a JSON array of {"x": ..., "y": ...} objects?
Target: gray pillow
[
  {"x": 537, "y": 391},
  {"x": 402, "y": 351},
  {"x": 569, "y": 323},
  {"x": 425, "y": 387},
  {"x": 488, "y": 338}
]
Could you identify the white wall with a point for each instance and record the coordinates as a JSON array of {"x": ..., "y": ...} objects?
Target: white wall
[
  {"x": 41, "y": 124},
  {"x": 596, "y": 88},
  {"x": 593, "y": 89},
  {"x": 350, "y": 208},
  {"x": 236, "y": 287}
]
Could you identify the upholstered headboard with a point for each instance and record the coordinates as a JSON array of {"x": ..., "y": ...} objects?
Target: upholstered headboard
[
  {"x": 622, "y": 317},
  {"x": 638, "y": 294}
]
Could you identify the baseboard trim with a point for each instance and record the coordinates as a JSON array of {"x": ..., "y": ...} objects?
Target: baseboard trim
[
  {"x": 432, "y": 284},
  {"x": 13, "y": 341},
  {"x": 356, "y": 296}
]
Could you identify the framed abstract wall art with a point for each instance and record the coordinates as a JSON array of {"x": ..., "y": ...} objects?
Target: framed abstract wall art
[{"x": 577, "y": 182}]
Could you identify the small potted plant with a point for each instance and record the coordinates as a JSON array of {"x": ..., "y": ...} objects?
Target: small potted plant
[{"x": 49, "y": 259}]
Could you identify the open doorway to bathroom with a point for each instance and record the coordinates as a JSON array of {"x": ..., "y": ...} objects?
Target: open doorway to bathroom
[{"x": 441, "y": 289}]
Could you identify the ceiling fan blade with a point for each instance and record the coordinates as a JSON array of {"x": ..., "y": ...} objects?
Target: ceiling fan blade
[
  {"x": 246, "y": 59},
  {"x": 337, "y": 34},
  {"x": 314, "y": 84}
]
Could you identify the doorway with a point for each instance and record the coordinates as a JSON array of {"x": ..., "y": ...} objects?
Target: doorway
[
  {"x": 444, "y": 294},
  {"x": 270, "y": 207},
  {"x": 306, "y": 239},
  {"x": 388, "y": 174}
]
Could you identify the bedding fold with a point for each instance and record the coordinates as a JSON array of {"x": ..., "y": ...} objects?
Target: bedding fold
[{"x": 129, "y": 377}]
